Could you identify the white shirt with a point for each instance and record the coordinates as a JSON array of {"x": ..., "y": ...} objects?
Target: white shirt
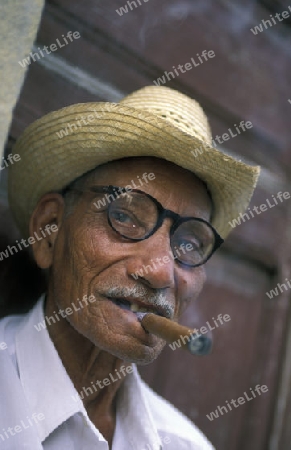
[{"x": 40, "y": 407}]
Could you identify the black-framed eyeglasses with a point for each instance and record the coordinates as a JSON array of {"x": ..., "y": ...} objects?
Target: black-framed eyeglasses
[{"x": 136, "y": 216}]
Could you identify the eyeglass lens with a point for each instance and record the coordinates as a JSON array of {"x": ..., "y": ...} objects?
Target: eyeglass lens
[{"x": 134, "y": 216}]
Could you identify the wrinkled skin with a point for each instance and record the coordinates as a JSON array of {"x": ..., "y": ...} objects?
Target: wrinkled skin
[{"x": 85, "y": 256}]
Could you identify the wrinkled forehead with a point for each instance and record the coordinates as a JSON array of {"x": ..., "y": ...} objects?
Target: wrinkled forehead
[{"x": 167, "y": 182}]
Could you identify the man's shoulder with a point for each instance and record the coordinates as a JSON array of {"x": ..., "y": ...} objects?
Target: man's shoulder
[
  {"x": 172, "y": 422},
  {"x": 9, "y": 328},
  {"x": 10, "y": 323}
]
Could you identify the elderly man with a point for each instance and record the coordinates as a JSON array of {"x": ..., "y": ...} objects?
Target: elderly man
[{"x": 102, "y": 193}]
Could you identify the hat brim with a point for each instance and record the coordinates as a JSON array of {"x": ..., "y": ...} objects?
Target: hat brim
[{"x": 48, "y": 162}]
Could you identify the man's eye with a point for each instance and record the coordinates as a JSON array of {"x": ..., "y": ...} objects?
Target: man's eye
[
  {"x": 124, "y": 218},
  {"x": 194, "y": 242},
  {"x": 197, "y": 246},
  {"x": 127, "y": 223},
  {"x": 121, "y": 217}
]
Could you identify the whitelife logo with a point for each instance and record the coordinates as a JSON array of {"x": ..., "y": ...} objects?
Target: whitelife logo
[
  {"x": 23, "y": 425},
  {"x": 240, "y": 400},
  {"x": 53, "y": 47},
  {"x": 82, "y": 121},
  {"x": 121, "y": 373},
  {"x": 162, "y": 261},
  {"x": 232, "y": 132},
  {"x": 204, "y": 56},
  {"x": 9, "y": 160},
  {"x": 274, "y": 292},
  {"x": 267, "y": 23},
  {"x": 108, "y": 198},
  {"x": 65, "y": 312},
  {"x": 124, "y": 9},
  {"x": 3, "y": 346},
  {"x": 203, "y": 330},
  {"x": 48, "y": 230},
  {"x": 259, "y": 209}
]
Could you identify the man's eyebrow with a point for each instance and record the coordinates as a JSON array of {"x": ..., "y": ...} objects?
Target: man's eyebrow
[
  {"x": 104, "y": 188},
  {"x": 97, "y": 189}
]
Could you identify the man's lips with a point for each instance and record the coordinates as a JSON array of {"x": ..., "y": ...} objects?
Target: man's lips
[{"x": 135, "y": 305}]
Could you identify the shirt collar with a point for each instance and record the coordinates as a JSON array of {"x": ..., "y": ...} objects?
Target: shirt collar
[
  {"x": 135, "y": 419},
  {"x": 49, "y": 389},
  {"x": 46, "y": 384}
]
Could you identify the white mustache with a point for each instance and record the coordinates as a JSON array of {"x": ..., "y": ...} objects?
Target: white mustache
[{"x": 157, "y": 299}]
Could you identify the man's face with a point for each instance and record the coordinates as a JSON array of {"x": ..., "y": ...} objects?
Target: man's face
[{"x": 89, "y": 257}]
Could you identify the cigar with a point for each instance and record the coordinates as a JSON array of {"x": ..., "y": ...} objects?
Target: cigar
[{"x": 170, "y": 331}]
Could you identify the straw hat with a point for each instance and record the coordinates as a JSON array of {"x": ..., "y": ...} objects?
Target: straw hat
[{"x": 153, "y": 121}]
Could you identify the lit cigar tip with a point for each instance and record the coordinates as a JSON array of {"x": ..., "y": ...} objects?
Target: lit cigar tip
[
  {"x": 171, "y": 331},
  {"x": 201, "y": 345}
]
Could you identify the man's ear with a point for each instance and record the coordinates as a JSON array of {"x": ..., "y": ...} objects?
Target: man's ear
[{"x": 44, "y": 226}]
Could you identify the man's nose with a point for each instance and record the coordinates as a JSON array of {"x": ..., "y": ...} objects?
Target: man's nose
[{"x": 154, "y": 261}]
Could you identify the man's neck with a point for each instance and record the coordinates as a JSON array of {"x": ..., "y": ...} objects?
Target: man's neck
[{"x": 96, "y": 374}]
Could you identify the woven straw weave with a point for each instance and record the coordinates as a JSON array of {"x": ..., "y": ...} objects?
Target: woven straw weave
[{"x": 154, "y": 121}]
